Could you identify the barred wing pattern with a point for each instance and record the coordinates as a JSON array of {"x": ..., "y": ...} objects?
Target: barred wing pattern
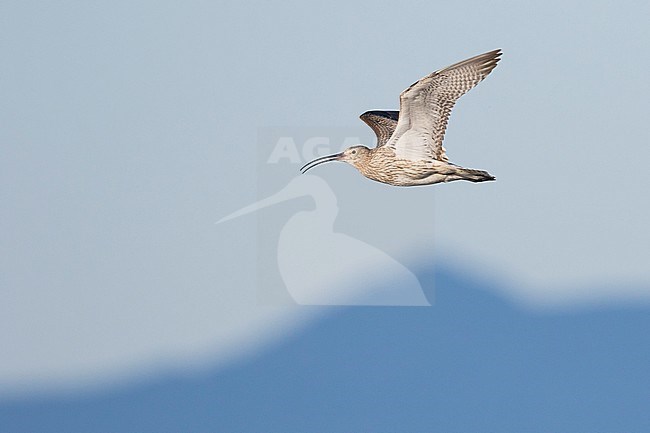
[
  {"x": 383, "y": 123},
  {"x": 426, "y": 105}
]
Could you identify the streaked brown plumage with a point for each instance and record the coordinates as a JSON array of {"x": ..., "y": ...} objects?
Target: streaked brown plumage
[{"x": 409, "y": 148}]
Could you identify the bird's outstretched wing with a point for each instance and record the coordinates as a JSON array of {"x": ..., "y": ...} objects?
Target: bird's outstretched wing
[
  {"x": 382, "y": 122},
  {"x": 426, "y": 105}
]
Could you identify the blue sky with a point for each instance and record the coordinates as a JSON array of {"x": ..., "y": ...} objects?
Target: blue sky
[{"x": 128, "y": 130}]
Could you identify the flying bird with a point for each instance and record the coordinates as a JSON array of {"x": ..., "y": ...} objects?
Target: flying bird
[{"x": 409, "y": 147}]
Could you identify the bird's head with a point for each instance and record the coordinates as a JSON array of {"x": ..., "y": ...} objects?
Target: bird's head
[{"x": 353, "y": 155}]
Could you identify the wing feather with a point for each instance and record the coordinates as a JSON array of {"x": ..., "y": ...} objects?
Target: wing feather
[
  {"x": 426, "y": 105},
  {"x": 383, "y": 123}
]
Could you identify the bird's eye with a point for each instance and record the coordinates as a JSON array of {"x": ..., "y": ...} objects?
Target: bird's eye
[{"x": 354, "y": 152}]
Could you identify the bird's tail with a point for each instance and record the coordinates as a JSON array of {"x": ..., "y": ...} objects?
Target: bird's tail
[{"x": 476, "y": 175}]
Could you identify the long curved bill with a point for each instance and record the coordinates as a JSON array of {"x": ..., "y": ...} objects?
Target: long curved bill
[{"x": 318, "y": 161}]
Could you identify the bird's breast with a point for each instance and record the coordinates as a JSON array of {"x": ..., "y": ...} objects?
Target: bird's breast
[{"x": 384, "y": 167}]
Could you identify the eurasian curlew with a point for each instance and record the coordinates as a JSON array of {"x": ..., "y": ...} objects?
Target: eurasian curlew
[{"x": 409, "y": 148}]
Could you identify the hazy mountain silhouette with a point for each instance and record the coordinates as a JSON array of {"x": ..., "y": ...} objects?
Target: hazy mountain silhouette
[{"x": 472, "y": 362}]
